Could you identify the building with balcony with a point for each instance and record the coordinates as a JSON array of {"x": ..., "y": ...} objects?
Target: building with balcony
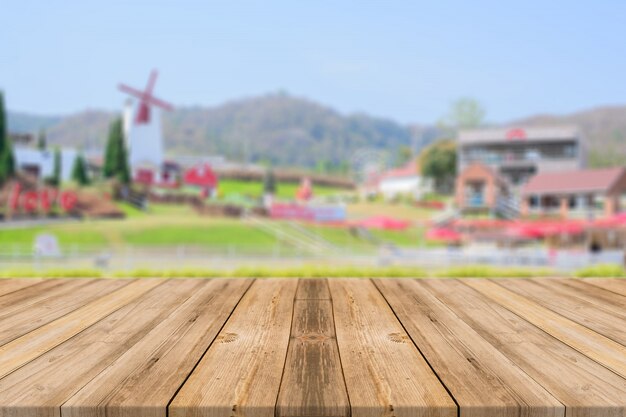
[
  {"x": 517, "y": 154},
  {"x": 494, "y": 164}
]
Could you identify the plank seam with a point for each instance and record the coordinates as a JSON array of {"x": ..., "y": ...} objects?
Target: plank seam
[
  {"x": 83, "y": 330},
  {"x": 479, "y": 335},
  {"x": 540, "y": 304},
  {"x": 69, "y": 312},
  {"x": 182, "y": 384},
  {"x": 343, "y": 376},
  {"x": 589, "y": 281},
  {"x": 458, "y": 407},
  {"x": 549, "y": 334},
  {"x": 169, "y": 314},
  {"x": 289, "y": 343}
]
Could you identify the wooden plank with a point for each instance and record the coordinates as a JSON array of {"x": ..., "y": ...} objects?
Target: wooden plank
[
  {"x": 585, "y": 387},
  {"x": 34, "y": 294},
  {"x": 571, "y": 304},
  {"x": 599, "y": 348},
  {"x": 145, "y": 378},
  {"x": 313, "y": 289},
  {"x": 616, "y": 285},
  {"x": 241, "y": 372},
  {"x": 9, "y": 285},
  {"x": 40, "y": 387},
  {"x": 312, "y": 383},
  {"x": 385, "y": 374},
  {"x": 20, "y": 318},
  {"x": 599, "y": 296},
  {"x": 31, "y": 345},
  {"x": 482, "y": 380}
]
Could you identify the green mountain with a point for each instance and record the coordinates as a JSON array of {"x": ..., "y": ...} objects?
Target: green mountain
[
  {"x": 291, "y": 131},
  {"x": 278, "y": 128}
]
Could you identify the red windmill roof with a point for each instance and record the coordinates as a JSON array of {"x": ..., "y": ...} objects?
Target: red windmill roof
[{"x": 201, "y": 175}]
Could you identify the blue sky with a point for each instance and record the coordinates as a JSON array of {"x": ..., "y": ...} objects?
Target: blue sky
[{"x": 406, "y": 60}]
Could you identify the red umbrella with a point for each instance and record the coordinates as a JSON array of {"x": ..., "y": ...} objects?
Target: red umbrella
[
  {"x": 613, "y": 221},
  {"x": 383, "y": 222},
  {"x": 443, "y": 234}
]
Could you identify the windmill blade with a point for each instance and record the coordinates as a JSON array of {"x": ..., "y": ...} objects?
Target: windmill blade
[
  {"x": 130, "y": 90},
  {"x": 151, "y": 81},
  {"x": 153, "y": 101}
]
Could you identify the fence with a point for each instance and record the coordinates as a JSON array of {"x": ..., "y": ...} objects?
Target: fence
[{"x": 14, "y": 257}]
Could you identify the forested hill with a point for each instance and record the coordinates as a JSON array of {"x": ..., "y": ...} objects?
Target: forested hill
[
  {"x": 279, "y": 128},
  {"x": 290, "y": 131}
]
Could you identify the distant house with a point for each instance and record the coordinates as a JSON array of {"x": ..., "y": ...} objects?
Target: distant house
[
  {"x": 406, "y": 180},
  {"x": 40, "y": 163},
  {"x": 575, "y": 193},
  {"x": 21, "y": 138}
]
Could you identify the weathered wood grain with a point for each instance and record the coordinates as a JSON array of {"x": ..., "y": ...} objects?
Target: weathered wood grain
[
  {"x": 578, "y": 288},
  {"x": 616, "y": 285},
  {"x": 47, "y": 305},
  {"x": 568, "y": 303},
  {"x": 482, "y": 380},
  {"x": 31, "y": 345},
  {"x": 384, "y": 372},
  {"x": 33, "y": 294},
  {"x": 145, "y": 378},
  {"x": 599, "y": 348},
  {"x": 586, "y": 388},
  {"x": 313, "y": 289},
  {"x": 312, "y": 348},
  {"x": 10, "y": 285},
  {"x": 241, "y": 372},
  {"x": 312, "y": 383},
  {"x": 40, "y": 387}
]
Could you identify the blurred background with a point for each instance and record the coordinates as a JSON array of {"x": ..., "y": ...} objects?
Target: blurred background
[{"x": 272, "y": 135}]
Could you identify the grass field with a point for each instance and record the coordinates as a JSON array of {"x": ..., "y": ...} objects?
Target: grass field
[
  {"x": 170, "y": 225},
  {"x": 284, "y": 190}
]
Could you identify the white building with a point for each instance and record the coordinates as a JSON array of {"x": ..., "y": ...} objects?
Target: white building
[
  {"x": 41, "y": 163},
  {"x": 404, "y": 181}
]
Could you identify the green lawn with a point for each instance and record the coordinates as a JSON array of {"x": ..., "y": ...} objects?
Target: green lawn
[
  {"x": 255, "y": 189},
  {"x": 171, "y": 225}
]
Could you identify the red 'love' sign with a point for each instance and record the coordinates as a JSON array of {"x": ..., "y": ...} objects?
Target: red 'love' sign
[{"x": 44, "y": 200}]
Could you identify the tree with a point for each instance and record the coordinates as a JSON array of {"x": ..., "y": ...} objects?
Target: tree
[
  {"x": 7, "y": 159},
  {"x": 438, "y": 162},
  {"x": 269, "y": 182},
  {"x": 42, "y": 142},
  {"x": 55, "y": 180},
  {"x": 79, "y": 170},
  {"x": 465, "y": 113},
  {"x": 116, "y": 155}
]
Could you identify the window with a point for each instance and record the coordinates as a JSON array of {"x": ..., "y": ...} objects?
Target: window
[{"x": 572, "y": 202}]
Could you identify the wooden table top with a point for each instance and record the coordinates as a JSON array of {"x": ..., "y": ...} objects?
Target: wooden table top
[{"x": 336, "y": 347}]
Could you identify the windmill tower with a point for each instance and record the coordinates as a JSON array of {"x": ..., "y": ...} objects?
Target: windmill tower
[{"x": 142, "y": 128}]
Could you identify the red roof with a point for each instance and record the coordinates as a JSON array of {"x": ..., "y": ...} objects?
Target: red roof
[
  {"x": 201, "y": 175},
  {"x": 563, "y": 182},
  {"x": 410, "y": 169}
]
